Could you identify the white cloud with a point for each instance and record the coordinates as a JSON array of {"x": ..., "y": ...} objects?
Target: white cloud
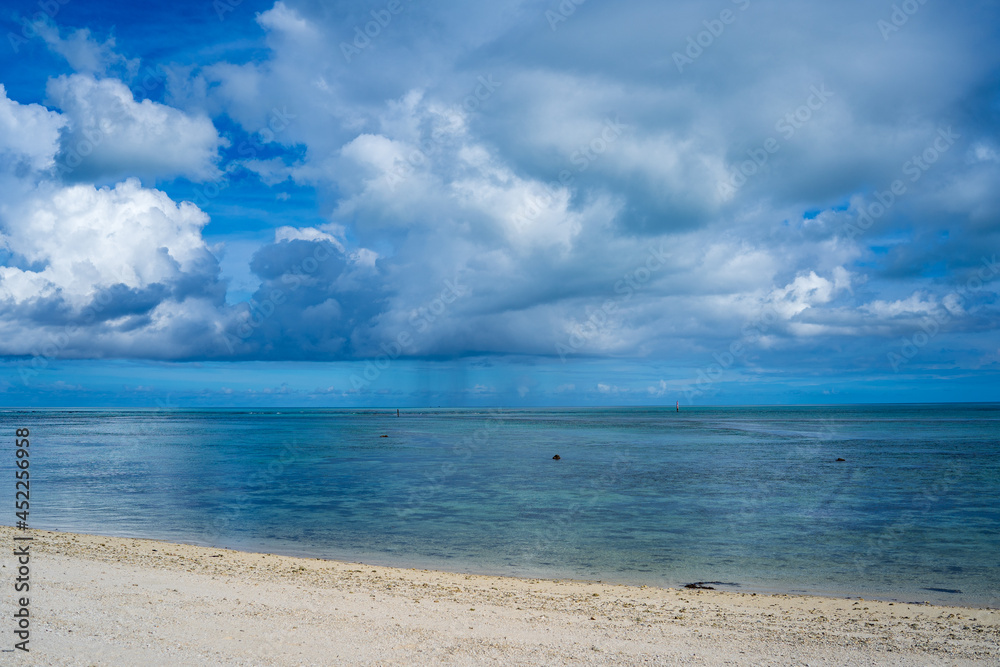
[
  {"x": 659, "y": 389},
  {"x": 29, "y": 133},
  {"x": 806, "y": 291},
  {"x": 111, "y": 136},
  {"x": 82, "y": 52},
  {"x": 99, "y": 272},
  {"x": 87, "y": 239},
  {"x": 283, "y": 19},
  {"x": 421, "y": 187},
  {"x": 917, "y": 304},
  {"x": 329, "y": 233}
]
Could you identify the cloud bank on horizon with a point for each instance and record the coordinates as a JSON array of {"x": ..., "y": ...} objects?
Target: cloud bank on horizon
[{"x": 766, "y": 184}]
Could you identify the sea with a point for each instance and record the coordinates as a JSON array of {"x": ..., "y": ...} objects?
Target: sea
[{"x": 895, "y": 502}]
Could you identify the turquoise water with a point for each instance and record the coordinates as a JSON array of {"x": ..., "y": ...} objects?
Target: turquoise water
[{"x": 751, "y": 496}]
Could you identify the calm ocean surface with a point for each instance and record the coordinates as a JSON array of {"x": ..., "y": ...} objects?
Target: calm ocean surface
[{"x": 751, "y": 496}]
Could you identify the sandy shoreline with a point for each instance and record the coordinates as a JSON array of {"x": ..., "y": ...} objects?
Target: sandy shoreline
[{"x": 106, "y": 601}]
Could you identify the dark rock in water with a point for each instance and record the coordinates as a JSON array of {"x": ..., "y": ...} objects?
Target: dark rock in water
[
  {"x": 556, "y": 457},
  {"x": 700, "y": 585},
  {"x": 838, "y": 460},
  {"x": 383, "y": 436}
]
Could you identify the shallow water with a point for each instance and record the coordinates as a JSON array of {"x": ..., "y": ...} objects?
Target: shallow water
[{"x": 751, "y": 496}]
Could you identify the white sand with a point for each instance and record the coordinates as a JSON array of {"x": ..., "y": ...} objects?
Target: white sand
[{"x": 109, "y": 601}]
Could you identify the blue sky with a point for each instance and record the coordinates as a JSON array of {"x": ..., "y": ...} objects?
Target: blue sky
[{"x": 399, "y": 203}]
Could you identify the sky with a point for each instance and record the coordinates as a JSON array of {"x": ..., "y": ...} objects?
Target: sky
[{"x": 518, "y": 203}]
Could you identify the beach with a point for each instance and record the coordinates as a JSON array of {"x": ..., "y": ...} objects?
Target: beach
[{"x": 109, "y": 601}]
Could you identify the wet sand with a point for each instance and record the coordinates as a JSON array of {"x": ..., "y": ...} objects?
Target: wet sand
[{"x": 111, "y": 601}]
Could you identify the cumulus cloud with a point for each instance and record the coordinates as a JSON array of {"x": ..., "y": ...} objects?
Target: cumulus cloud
[
  {"x": 807, "y": 291},
  {"x": 118, "y": 267},
  {"x": 88, "y": 238},
  {"x": 312, "y": 300},
  {"x": 29, "y": 134},
  {"x": 916, "y": 304},
  {"x": 605, "y": 161},
  {"x": 97, "y": 271},
  {"x": 492, "y": 184},
  {"x": 110, "y": 136}
]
